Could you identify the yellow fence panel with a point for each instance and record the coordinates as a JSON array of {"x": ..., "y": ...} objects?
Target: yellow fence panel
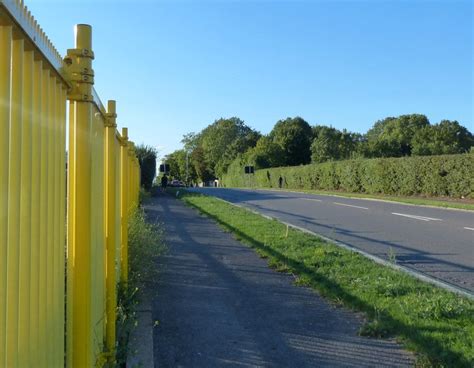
[
  {"x": 102, "y": 187},
  {"x": 32, "y": 100}
]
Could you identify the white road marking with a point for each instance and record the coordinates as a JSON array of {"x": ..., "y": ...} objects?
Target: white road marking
[
  {"x": 350, "y": 205},
  {"x": 422, "y": 218},
  {"x": 469, "y": 228},
  {"x": 311, "y": 199}
]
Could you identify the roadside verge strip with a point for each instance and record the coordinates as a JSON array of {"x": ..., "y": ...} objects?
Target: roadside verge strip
[{"x": 423, "y": 277}]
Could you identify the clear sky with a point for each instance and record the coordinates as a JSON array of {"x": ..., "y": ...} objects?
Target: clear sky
[{"x": 176, "y": 66}]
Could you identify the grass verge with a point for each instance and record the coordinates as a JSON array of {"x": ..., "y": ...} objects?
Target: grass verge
[
  {"x": 459, "y": 204},
  {"x": 435, "y": 323},
  {"x": 145, "y": 244}
]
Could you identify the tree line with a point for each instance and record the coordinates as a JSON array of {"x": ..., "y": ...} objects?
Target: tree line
[{"x": 293, "y": 141}]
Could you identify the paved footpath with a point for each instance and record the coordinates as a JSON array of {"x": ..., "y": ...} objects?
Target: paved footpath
[{"x": 219, "y": 305}]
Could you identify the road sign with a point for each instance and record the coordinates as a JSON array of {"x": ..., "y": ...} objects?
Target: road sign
[
  {"x": 249, "y": 169},
  {"x": 164, "y": 168}
]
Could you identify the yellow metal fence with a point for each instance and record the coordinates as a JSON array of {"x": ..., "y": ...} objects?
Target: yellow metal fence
[{"x": 63, "y": 216}]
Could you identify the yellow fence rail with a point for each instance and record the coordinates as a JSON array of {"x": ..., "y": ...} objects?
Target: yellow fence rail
[{"x": 52, "y": 213}]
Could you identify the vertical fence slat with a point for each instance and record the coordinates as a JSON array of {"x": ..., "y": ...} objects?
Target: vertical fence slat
[
  {"x": 98, "y": 233},
  {"x": 111, "y": 209},
  {"x": 62, "y": 228},
  {"x": 118, "y": 196},
  {"x": 5, "y": 83},
  {"x": 124, "y": 204},
  {"x": 35, "y": 212},
  {"x": 58, "y": 223},
  {"x": 71, "y": 235},
  {"x": 50, "y": 221},
  {"x": 25, "y": 212},
  {"x": 43, "y": 220},
  {"x": 14, "y": 183}
]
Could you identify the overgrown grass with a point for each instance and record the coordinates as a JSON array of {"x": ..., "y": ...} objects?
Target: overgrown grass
[
  {"x": 435, "y": 323},
  {"x": 145, "y": 244},
  {"x": 434, "y": 202},
  {"x": 143, "y": 195}
]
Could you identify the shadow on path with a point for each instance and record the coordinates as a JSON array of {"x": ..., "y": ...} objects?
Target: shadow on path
[{"x": 219, "y": 304}]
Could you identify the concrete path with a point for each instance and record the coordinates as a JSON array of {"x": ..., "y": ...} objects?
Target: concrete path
[{"x": 219, "y": 305}]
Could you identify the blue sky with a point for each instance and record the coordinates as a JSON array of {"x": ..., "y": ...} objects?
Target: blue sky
[{"x": 176, "y": 66}]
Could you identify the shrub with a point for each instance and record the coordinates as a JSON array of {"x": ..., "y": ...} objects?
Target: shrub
[
  {"x": 445, "y": 175},
  {"x": 147, "y": 160}
]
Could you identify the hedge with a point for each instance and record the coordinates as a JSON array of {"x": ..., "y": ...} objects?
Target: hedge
[{"x": 434, "y": 176}]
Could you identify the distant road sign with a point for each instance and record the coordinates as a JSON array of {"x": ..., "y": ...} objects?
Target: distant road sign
[
  {"x": 249, "y": 169},
  {"x": 165, "y": 168}
]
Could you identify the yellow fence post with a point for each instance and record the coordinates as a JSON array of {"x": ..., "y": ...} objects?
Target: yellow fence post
[
  {"x": 124, "y": 208},
  {"x": 111, "y": 209},
  {"x": 5, "y": 95},
  {"x": 80, "y": 340}
]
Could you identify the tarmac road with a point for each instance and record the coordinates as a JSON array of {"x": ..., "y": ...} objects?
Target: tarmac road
[{"x": 434, "y": 241}]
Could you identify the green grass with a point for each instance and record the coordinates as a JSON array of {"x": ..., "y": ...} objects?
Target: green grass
[
  {"x": 435, "y": 323},
  {"x": 145, "y": 244},
  {"x": 434, "y": 202}
]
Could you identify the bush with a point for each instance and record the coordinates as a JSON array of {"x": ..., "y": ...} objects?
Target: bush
[
  {"x": 147, "y": 160},
  {"x": 446, "y": 175}
]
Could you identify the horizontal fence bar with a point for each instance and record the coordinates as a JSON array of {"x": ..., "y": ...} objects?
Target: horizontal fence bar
[{"x": 31, "y": 28}]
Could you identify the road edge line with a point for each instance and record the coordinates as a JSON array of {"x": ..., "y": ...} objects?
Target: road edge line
[{"x": 378, "y": 260}]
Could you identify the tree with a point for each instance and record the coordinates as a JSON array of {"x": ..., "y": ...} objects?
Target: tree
[
  {"x": 265, "y": 154},
  {"x": 178, "y": 168},
  {"x": 200, "y": 166},
  {"x": 392, "y": 137},
  {"x": 217, "y": 145},
  {"x": 294, "y": 136},
  {"x": 326, "y": 145},
  {"x": 447, "y": 137},
  {"x": 240, "y": 145},
  {"x": 332, "y": 144},
  {"x": 147, "y": 159}
]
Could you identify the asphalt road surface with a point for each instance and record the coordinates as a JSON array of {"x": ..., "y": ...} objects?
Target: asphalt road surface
[
  {"x": 434, "y": 241},
  {"x": 219, "y": 305}
]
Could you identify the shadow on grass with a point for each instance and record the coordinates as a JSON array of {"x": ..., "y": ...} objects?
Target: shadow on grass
[{"x": 382, "y": 323}]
